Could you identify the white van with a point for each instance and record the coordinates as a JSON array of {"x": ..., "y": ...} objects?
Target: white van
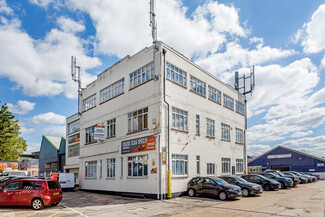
[{"x": 66, "y": 180}]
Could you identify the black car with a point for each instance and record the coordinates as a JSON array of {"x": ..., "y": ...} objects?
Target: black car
[
  {"x": 309, "y": 178},
  {"x": 302, "y": 179},
  {"x": 248, "y": 188},
  {"x": 284, "y": 181},
  {"x": 212, "y": 186},
  {"x": 294, "y": 178},
  {"x": 267, "y": 184}
]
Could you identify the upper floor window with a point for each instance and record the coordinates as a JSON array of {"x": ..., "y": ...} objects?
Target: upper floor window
[
  {"x": 210, "y": 127},
  {"x": 138, "y": 120},
  {"x": 89, "y": 103},
  {"x": 239, "y": 107},
  {"x": 111, "y": 128},
  {"x": 179, "y": 119},
  {"x": 90, "y": 137},
  {"x": 214, "y": 94},
  {"x": 176, "y": 74},
  {"x": 225, "y": 132},
  {"x": 197, "y": 123},
  {"x": 74, "y": 138},
  {"x": 73, "y": 150},
  {"x": 142, "y": 75},
  {"x": 239, "y": 136},
  {"x": 197, "y": 86},
  {"x": 112, "y": 90},
  {"x": 228, "y": 101},
  {"x": 74, "y": 127}
]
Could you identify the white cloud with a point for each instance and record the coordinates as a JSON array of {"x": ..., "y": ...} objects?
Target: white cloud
[
  {"x": 301, "y": 134},
  {"x": 256, "y": 150},
  {"x": 44, "y": 3},
  {"x": 24, "y": 129},
  {"x": 4, "y": 8},
  {"x": 312, "y": 33},
  {"x": 22, "y": 107},
  {"x": 69, "y": 25},
  {"x": 310, "y": 145},
  {"x": 56, "y": 130},
  {"x": 49, "y": 118},
  {"x": 32, "y": 147}
]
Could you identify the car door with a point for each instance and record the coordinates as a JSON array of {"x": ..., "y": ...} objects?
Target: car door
[
  {"x": 10, "y": 192},
  {"x": 27, "y": 192},
  {"x": 257, "y": 180},
  {"x": 209, "y": 186}
]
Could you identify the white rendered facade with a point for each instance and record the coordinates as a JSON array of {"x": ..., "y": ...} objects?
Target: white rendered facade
[{"x": 202, "y": 130}]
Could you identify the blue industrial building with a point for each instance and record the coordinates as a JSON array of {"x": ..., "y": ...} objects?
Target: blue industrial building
[
  {"x": 286, "y": 159},
  {"x": 52, "y": 155}
]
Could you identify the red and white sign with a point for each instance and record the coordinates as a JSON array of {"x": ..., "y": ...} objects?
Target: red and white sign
[{"x": 99, "y": 133}]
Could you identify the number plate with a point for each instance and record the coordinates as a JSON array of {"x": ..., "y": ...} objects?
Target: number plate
[{"x": 56, "y": 193}]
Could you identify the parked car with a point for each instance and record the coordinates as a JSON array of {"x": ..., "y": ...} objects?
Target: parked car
[
  {"x": 248, "y": 188},
  {"x": 31, "y": 192},
  {"x": 303, "y": 179},
  {"x": 311, "y": 174},
  {"x": 294, "y": 178},
  {"x": 310, "y": 178},
  {"x": 212, "y": 186},
  {"x": 11, "y": 178},
  {"x": 267, "y": 184},
  {"x": 284, "y": 182}
]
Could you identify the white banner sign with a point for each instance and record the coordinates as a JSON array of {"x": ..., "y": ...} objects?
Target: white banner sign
[{"x": 99, "y": 132}]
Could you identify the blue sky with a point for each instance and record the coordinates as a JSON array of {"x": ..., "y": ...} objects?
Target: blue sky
[{"x": 283, "y": 39}]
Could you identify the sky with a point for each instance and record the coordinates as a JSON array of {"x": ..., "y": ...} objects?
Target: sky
[{"x": 283, "y": 39}]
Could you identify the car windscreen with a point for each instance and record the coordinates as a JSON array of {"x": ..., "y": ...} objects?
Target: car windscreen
[
  {"x": 53, "y": 184},
  {"x": 220, "y": 181},
  {"x": 241, "y": 180},
  {"x": 281, "y": 173}
]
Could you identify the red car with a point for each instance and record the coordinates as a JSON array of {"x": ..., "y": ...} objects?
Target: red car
[{"x": 31, "y": 192}]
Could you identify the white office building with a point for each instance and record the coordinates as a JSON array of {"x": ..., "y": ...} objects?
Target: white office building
[{"x": 144, "y": 116}]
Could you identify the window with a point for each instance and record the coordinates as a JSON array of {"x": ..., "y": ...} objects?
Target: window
[
  {"x": 210, "y": 127},
  {"x": 54, "y": 165},
  {"x": 91, "y": 169},
  {"x": 138, "y": 120},
  {"x": 38, "y": 185},
  {"x": 176, "y": 74},
  {"x": 100, "y": 169},
  {"x": 111, "y": 128},
  {"x": 214, "y": 94},
  {"x": 48, "y": 166},
  {"x": 197, "y": 124},
  {"x": 142, "y": 75},
  {"x": 111, "y": 168},
  {"x": 53, "y": 184},
  {"x": 225, "y": 163},
  {"x": 90, "y": 135},
  {"x": 138, "y": 165},
  {"x": 197, "y": 86},
  {"x": 179, "y": 119},
  {"x": 239, "y": 165},
  {"x": 121, "y": 166},
  {"x": 74, "y": 127},
  {"x": 74, "y": 138},
  {"x": 239, "y": 136},
  {"x": 210, "y": 169},
  {"x": 89, "y": 103},
  {"x": 12, "y": 186},
  {"x": 225, "y": 132},
  {"x": 228, "y": 101},
  {"x": 239, "y": 107},
  {"x": 198, "y": 164},
  {"x": 27, "y": 185},
  {"x": 112, "y": 91},
  {"x": 179, "y": 164},
  {"x": 73, "y": 150}
]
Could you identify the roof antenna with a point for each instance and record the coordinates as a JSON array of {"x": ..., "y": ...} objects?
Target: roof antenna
[
  {"x": 76, "y": 78},
  {"x": 153, "y": 25},
  {"x": 251, "y": 78}
]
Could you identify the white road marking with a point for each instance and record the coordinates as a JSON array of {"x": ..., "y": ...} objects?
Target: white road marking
[{"x": 73, "y": 210}]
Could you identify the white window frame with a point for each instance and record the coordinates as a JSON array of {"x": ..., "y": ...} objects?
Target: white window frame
[
  {"x": 142, "y": 75},
  {"x": 73, "y": 150},
  {"x": 74, "y": 127},
  {"x": 91, "y": 169},
  {"x": 179, "y": 165},
  {"x": 138, "y": 120},
  {"x": 225, "y": 132},
  {"x": 179, "y": 119},
  {"x": 112, "y": 91},
  {"x": 90, "y": 135},
  {"x": 210, "y": 128},
  {"x": 228, "y": 101},
  {"x": 138, "y": 166},
  {"x": 211, "y": 169},
  {"x": 239, "y": 165},
  {"x": 197, "y": 124},
  {"x": 239, "y": 136},
  {"x": 175, "y": 74},
  {"x": 111, "y": 128},
  {"x": 240, "y": 107},
  {"x": 214, "y": 94},
  {"x": 198, "y": 86},
  {"x": 89, "y": 102},
  {"x": 225, "y": 165},
  {"x": 110, "y": 168}
]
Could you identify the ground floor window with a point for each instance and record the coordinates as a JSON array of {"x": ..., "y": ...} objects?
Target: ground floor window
[
  {"x": 210, "y": 169},
  {"x": 138, "y": 165},
  {"x": 91, "y": 169},
  {"x": 111, "y": 168},
  {"x": 179, "y": 164},
  {"x": 239, "y": 165},
  {"x": 225, "y": 163}
]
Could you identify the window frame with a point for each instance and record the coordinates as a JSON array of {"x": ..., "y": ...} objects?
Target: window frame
[
  {"x": 210, "y": 128},
  {"x": 197, "y": 124},
  {"x": 179, "y": 119},
  {"x": 111, "y": 91},
  {"x": 239, "y": 136},
  {"x": 134, "y": 120},
  {"x": 89, "y": 103},
  {"x": 90, "y": 134},
  {"x": 111, "y": 128},
  {"x": 197, "y": 86},
  {"x": 214, "y": 94},
  {"x": 211, "y": 169},
  {"x": 173, "y": 72},
  {"x": 182, "y": 161},
  {"x": 239, "y": 165},
  {"x": 134, "y": 162},
  {"x": 110, "y": 168},
  {"x": 225, "y": 132},
  {"x": 74, "y": 150},
  {"x": 142, "y": 75},
  {"x": 240, "y": 108},
  {"x": 225, "y": 165},
  {"x": 228, "y": 101},
  {"x": 91, "y": 169}
]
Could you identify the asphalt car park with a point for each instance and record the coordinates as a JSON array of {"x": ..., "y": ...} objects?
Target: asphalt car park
[{"x": 305, "y": 200}]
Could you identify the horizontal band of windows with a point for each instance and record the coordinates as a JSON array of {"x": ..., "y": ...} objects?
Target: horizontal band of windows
[
  {"x": 89, "y": 109},
  {"x": 176, "y": 83},
  {"x": 111, "y": 98},
  {"x": 141, "y": 84},
  {"x": 225, "y": 140},
  {"x": 212, "y": 100},
  {"x": 197, "y": 93},
  {"x": 182, "y": 131},
  {"x": 137, "y": 131}
]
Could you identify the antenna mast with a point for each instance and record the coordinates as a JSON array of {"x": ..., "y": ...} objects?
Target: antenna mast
[
  {"x": 153, "y": 22},
  {"x": 76, "y": 78},
  {"x": 251, "y": 78}
]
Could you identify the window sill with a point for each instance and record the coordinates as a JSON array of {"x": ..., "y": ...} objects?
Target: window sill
[
  {"x": 210, "y": 137},
  {"x": 89, "y": 109},
  {"x": 240, "y": 113},
  {"x": 197, "y": 93},
  {"x": 91, "y": 143},
  {"x": 176, "y": 83},
  {"x": 180, "y": 176},
  {"x": 177, "y": 130},
  {"x": 111, "y": 137},
  {"x": 228, "y": 108},
  {"x": 110, "y": 178},
  {"x": 136, "y": 132},
  {"x": 141, "y": 84},
  {"x": 239, "y": 143},
  {"x": 225, "y": 140},
  {"x": 90, "y": 178},
  {"x": 111, "y": 98},
  {"x": 197, "y": 134},
  {"x": 212, "y": 100},
  {"x": 137, "y": 177}
]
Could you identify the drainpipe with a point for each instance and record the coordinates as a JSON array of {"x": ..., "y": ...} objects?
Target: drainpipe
[{"x": 245, "y": 145}]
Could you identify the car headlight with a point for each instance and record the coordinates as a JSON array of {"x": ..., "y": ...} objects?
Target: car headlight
[{"x": 256, "y": 188}]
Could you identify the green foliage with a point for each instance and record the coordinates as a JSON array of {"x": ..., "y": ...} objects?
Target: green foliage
[{"x": 11, "y": 144}]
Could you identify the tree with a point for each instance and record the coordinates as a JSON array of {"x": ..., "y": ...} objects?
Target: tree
[{"x": 11, "y": 144}]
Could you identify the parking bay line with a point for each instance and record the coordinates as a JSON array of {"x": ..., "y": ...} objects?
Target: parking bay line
[{"x": 80, "y": 213}]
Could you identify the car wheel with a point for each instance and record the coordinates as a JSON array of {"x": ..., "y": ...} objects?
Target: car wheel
[
  {"x": 245, "y": 192},
  {"x": 191, "y": 192},
  {"x": 222, "y": 195},
  {"x": 37, "y": 204}
]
